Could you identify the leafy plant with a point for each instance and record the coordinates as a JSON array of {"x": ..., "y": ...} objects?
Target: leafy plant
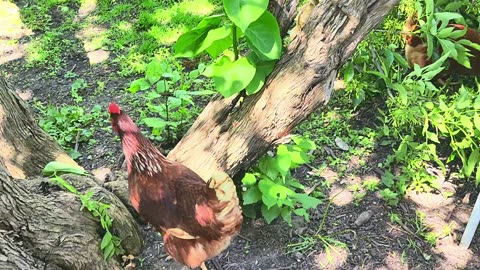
[
  {"x": 77, "y": 85},
  {"x": 70, "y": 125},
  {"x": 271, "y": 183},
  {"x": 434, "y": 27},
  {"x": 328, "y": 241},
  {"x": 169, "y": 98},
  {"x": 111, "y": 244},
  {"x": 232, "y": 72}
]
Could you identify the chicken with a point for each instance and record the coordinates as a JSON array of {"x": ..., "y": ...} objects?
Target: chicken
[
  {"x": 196, "y": 218},
  {"x": 416, "y": 49}
]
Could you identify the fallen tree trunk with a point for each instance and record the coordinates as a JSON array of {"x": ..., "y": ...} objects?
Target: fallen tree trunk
[
  {"x": 228, "y": 140},
  {"x": 41, "y": 226}
]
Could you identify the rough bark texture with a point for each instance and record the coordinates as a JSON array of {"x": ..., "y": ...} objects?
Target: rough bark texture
[
  {"x": 41, "y": 226},
  {"x": 230, "y": 140},
  {"x": 25, "y": 148},
  {"x": 284, "y": 11}
]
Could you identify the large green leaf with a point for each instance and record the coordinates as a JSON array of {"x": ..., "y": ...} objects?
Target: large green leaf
[
  {"x": 283, "y": 160},
  {"x": 56, "y": 167},
  {"x": 264, "y": 36},
  {"x": 154, "y": 71},
  {"x": 263, "y": 69},
  {"x": 153, "y": 122},
  {"x": 267, "y": 167},
  {"x": 270, "y": 213},
  {"x": 231, "y": 77},
  {"x": 307, "y": 201},
  {"x": 244, "y": 12},
  {"x": 217, "y": 40},
  {"x": 252, "y": 195},
  {"x": 189, "y": 43},
  {"x": 473, "y": 159}
]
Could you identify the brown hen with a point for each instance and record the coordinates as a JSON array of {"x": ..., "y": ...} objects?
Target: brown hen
[
  {"x": 196, "y": 218},
  {"x": 416, "y": 48}
]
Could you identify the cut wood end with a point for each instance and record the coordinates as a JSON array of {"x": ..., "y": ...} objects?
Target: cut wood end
[{"x": 14, "y": 170}]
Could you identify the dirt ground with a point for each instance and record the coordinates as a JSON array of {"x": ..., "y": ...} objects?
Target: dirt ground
[{"x": 377, "y": 244}]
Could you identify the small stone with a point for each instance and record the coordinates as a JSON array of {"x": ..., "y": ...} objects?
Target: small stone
[
  {"x": 103, "y": 174},
  {"x": 364, "y": 217},
  {"x": 299, "y": 255},
  {"x": 341, "y": 144},
  {"x": 466, "y": 199}
]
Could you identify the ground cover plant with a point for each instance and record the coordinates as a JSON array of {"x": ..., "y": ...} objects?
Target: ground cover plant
[{"x": 392, "y": 140}]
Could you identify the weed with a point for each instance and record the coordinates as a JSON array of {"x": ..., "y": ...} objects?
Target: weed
[
  {"x": 271, "y": 183},
  {"x": 70, "y": 125},
  {"x": 329, "y": 242},
  {"x": 111, "y": 244},
  {"x": 169, "y": 98},
  {"x": 77, "y": 85}
]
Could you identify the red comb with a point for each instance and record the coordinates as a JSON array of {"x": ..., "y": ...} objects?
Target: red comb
[{"x": 113, "y": 108}]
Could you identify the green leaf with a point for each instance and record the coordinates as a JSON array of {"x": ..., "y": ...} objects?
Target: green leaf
[
  {"x": 270, "y": 213},
  {"x": 262, "y": 70},
  {"x": 264, "y": 36},
  {"x": 429, "y": 45},
  {"x": 302, "y": 212},
  {"x": 154, "y": 71},
  {"x": 307, "y": 202},
  {"x": 286, "y": 214},
  {"x": 476, "y": 120},
  {"x": 108, "y": 251},
  {"x": 231, "y": 77},
  {"x": 476, "y": 105},
  {"x": 432, "y": 136},
  {"x": 249, "y": 211},
  {"x": 217, "y": 40},
  {"x": 447, "y": 16},
  {"x": 56, "y": 167},
  {"x": 64, "y": 184},
  {"x": 402, "y": 92},
  {"x": 140, "y": 84},
  {"x": 249, "y": 179},
  {"x": 107, "y": 238},
  {"x": 244, "y": 12},
  {"x": 304, "y": 143},
  {"x": 298, "y": 157},
  {"x": 466, "y": 122},
  {"x": 283, "y": 160},
  {"x": 477, "y": 175},
  {"x": 189, "y": 43},
  {"x": 472, "y": 162},
  {"x": 348, "y": 72},
  {"x": 268, "y": 167},
  {"x": 157, "y": 123},
  {"x": 388, "y": 179},
  {"x": 273, "y": 192},
  {"x": 252, "y": 195}
]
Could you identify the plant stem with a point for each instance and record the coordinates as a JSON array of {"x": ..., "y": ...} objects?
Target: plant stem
[{"x": 235, "y": 42}]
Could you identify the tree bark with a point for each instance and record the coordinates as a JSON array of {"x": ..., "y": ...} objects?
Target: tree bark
[
  {"x": 231, "y": 140},
  {"x": 25, "y": 147},
  {"x": 41, "y": 226}
]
